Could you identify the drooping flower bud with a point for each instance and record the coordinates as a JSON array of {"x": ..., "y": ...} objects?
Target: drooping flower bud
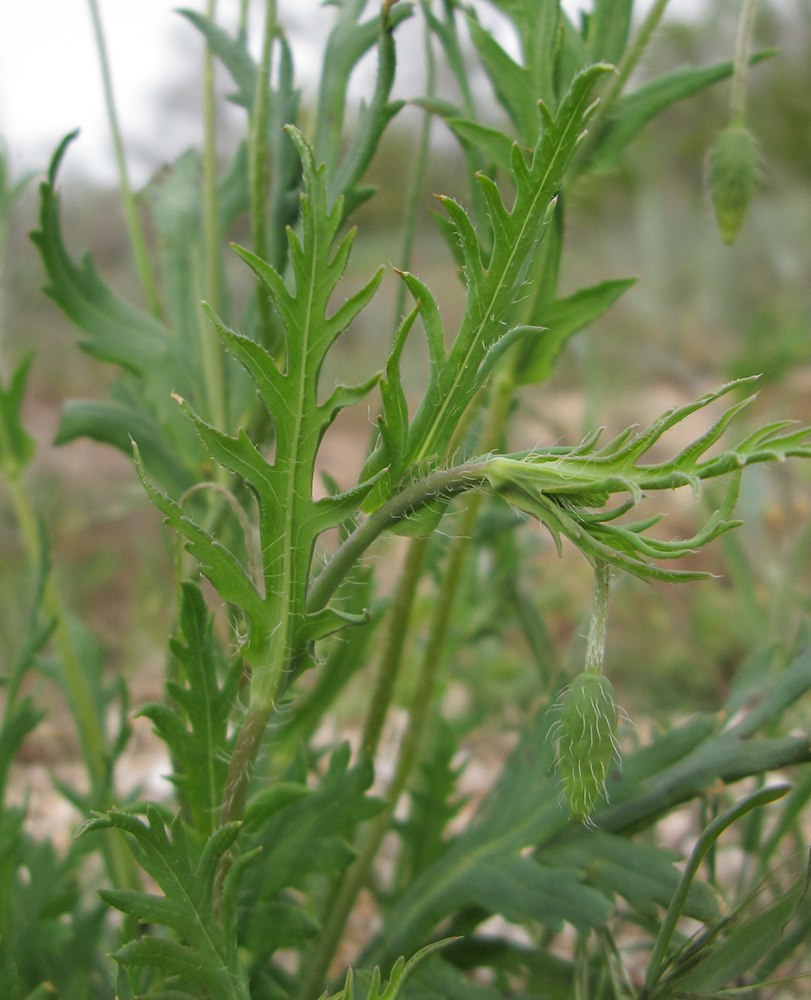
[
  {"x": 587, "y": 744},
  {"x": 732, "y": 177}
]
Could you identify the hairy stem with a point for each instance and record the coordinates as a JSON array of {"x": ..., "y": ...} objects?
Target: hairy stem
[
  {"x": 445, "y": 483},
  {"x": 595, "y": 643},
  {"x": 399, "y": 617},
  {"x": 743, "y": 48},
  {"x": 357, "y": 874},
  {"x": 134, "y": 228},
  {"x": 242, "y": 763}
]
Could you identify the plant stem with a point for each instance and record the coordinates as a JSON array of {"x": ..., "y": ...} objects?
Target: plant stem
[
  {"x": 743, "y": 48},
  {"x": 445, "y": 483},
  {"x": 357, "y": 873},
  {"x": 136, "y": 232},
  {"x": 399, "y": 616},
  {"x": 258, "y": 164},
  {"x": 656, "y": 963},
  {"x": 91, "y": 733},
  {"x": 242, "y": 762},
  {"x": 418, "y": 176},
  {"x": 243, "y": 20},
  {"x": 212, "y": 353},
  {"x": 211, "y": 227},
  {"x": 595, "y": 643}
]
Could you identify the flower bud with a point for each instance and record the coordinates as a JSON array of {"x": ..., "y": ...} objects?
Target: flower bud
[
  {"x": 587, "y": 744},
  {"x": 732, "y": 176}
]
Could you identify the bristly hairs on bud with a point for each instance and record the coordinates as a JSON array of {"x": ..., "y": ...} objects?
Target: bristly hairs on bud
[{"x": 589, "y": 714}]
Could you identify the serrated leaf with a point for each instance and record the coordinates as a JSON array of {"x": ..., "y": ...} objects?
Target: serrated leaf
[
  {"x": 491, "y": 291},
  {"x": 303, "y": 831},
  {"x": 197, "y": 735},
  {"x": 520, "y": 888},
  {"x": 560, "y": 485},
  {"x": 290, "y": 520},
  {"x": 401, "y": 972},
  {"x": 348, "y": 41},
  {"x": 207, "y": 951},
  {"x": 643, "y": 874},
  {"x": 372, "y": 123},
  {"x": 117, "y": 332}
]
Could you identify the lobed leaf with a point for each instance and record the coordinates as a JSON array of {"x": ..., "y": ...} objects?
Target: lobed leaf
[
  {"x": 197, "y": 732},
  {"x": 206, "y": 953},
  {"x": 559, "y": 485},
  {"x": 457, "y": 375}
]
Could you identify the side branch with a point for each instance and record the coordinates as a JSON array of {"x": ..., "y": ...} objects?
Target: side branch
[{"x": 439, "y": 485}]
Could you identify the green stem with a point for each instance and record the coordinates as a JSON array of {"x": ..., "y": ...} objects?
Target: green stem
[
  {"x": 243, "y": 20},
  {"x": 211, "y": 227},
  {"x": 448, "y": 483},
  {"x": 212, "y": 353},
  {"x": 743, "y": 48},
  {"x": 91, "y": 733},
  {"x": 445, "y": 483},
  {"x": 357, "y": 873},
  {"x": 258, "y": 164},
  {"x": 136, "y": 232},
  {"x": 627, "y": 65},
  {"x": 595, "y": 643},
  {"x": 399, "y": 617},
  {"x": 242, "y": 763},
  {"x": 418, "y": 176},
  {"x": 709, "y": 836}
]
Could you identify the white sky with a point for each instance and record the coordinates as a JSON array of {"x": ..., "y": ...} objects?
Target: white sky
[{"x": 50, "y": 80}]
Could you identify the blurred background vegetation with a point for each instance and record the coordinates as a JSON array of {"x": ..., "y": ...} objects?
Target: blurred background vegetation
[{"x": 700, "y": 314}]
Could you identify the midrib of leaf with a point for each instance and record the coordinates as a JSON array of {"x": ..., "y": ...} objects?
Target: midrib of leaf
[
  {"x": 264, "y": 688},
  {"x": 474, "y": 340},
  {"x": 209, "y": 725},
  {"x": 199, "y": 919}
]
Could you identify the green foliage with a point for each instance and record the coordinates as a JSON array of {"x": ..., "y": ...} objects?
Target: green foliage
[
  {"x": 207, "y": 954},
  {"x": 276, "y": 833},
  {"x": 556, "y": 485},
  {"x": 16, "y": 445},
  {"x": 491, "y": 290},
  {"x": 197, "y": 736}
]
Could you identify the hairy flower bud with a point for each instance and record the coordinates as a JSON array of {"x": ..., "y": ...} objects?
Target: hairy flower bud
[
  {"x": 732, "y": 176},
  {"x": 588, "y": 720}
]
